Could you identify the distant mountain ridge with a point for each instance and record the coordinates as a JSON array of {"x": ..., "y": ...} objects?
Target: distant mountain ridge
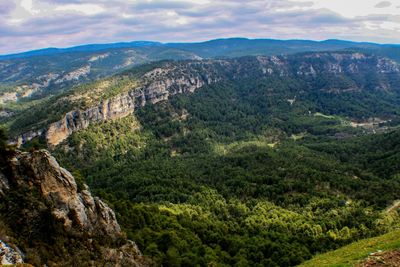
[
  {"x": 79, "y": 48},
  {"x": 189, "y": 45}
]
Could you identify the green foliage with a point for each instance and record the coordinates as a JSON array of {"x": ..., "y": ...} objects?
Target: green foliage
[
  {"x": 6, "y": 150},
  {"x": 3, "y": 140},
  {"x": 215, "y": 178},
  {"x": 260, "y": 170},
  {"x": 79, "y": 179}
]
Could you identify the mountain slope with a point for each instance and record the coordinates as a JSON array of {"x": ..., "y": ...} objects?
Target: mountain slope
[
  {"x": 236, "y": 47},
  {"x": 36, "y": 77},
  {"x": 221, "y": 47},
  {"x": 235, "y": 174},
  {"x": 204, "y": 179}
]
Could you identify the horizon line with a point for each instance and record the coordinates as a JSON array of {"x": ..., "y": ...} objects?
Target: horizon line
[{"x": 194, "y": 42}]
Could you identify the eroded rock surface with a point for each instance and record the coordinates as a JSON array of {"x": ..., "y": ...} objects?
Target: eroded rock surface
[
  {"x": 76, "y": 209},
  {"x": 9, "y": 255},
  {"x": 81, "y": 216}
]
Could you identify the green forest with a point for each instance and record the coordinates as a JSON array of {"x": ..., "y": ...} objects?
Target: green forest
[{"x": 235, "y": 175}]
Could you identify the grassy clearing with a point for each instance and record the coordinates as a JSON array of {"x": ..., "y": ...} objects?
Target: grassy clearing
[
  {"x": 319, "y": 114},
  {"x": 351, "y": 254},
  {"x": 224, "y": 149},
  {"x": 299, "y": 136}
]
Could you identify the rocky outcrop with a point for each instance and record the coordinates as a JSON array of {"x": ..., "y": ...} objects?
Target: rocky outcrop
[
  {"x": 9, "y": 255},
  {"x": 109, "y": 109},
  {"x": 125, "y": 255},
  {"x": 74, "y": 75},
  {"x": 28, "y": 136},
  {"x": 8, "y": 97},
  {"x": 156, "y": 85},
  {"x": 75, "y": 209}
]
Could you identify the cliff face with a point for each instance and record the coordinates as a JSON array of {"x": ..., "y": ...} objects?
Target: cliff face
[
  {"x": 67, "y": 212},
  {"x": 155, "y": 86},
  {"x": 174, "y": 78},
  {"x": 77, "y": 210},
  {"x": 110, "y": 109}
]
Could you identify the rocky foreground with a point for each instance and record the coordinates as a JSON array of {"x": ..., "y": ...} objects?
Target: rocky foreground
[{"x": 46, "y": 218}]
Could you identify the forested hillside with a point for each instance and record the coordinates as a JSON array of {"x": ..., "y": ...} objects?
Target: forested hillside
[
  {"x": 359, "y": 86},
  {"x": 204, "y": 190},
  {"x": 255, "y": 161}
]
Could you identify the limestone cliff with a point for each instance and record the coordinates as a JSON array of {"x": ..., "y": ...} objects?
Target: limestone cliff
[
  {"x": 156, "y": 85},
  {"x": 51, "y": 209}
]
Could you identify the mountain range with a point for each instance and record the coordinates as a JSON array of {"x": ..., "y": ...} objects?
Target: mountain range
[{"x": 47, "y": 71}]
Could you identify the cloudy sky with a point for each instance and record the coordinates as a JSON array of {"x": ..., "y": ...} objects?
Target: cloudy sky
[{"x": 32, "y": 24}]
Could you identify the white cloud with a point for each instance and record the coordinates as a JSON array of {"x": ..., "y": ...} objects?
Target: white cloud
[
  {"x": 87, "y": 9},
  {"x": 395, "y": 26},
  {"x": 354, "y": 8},
  {"x": 29, "y": 24},
  {"x": 28, "y": 6}
]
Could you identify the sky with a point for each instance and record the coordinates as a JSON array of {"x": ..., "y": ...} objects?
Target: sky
[{"x": 34, "y": 24}]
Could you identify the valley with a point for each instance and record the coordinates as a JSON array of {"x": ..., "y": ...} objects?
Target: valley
[{"x": 241, "y": 161}]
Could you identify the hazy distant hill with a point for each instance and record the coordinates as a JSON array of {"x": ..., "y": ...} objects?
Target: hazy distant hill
[
  {"x": 213, "y": 48},
  {"x": 80, "y": 48}
]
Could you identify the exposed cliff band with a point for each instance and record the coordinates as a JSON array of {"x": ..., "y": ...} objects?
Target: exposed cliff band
[{"x": 124, "y": 104}]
